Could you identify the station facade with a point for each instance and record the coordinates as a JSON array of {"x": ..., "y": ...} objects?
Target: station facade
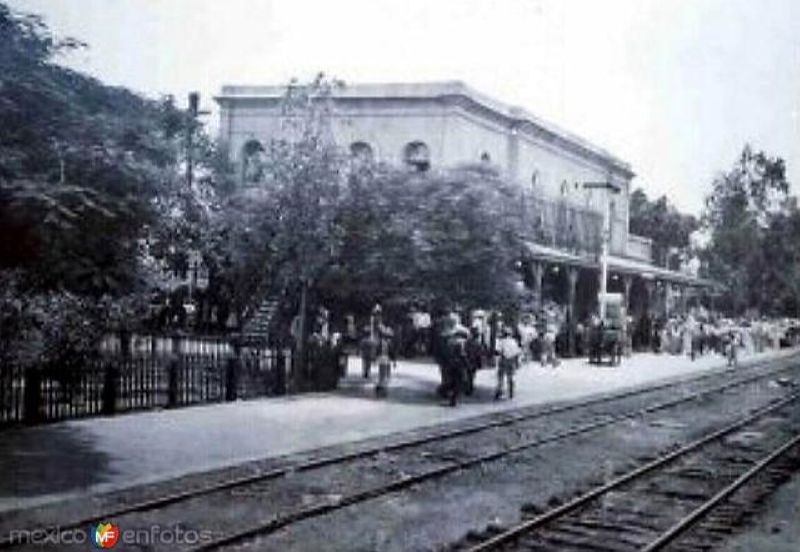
[{"x": 446, "y": 124}]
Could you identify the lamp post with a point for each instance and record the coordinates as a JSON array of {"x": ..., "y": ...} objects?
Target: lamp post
[
  {"x": 611, "y": 188},
  {"x": 191, "y": 125}
]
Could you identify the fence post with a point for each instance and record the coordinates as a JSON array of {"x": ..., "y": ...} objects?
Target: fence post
[
  {"x": 280, "y": 371},
  {"x": 173, "y": 364},
  {"x": 341, "y": 359},
  {"x": 125, "y": 341},
  {"x": 232, "y": 372},
  {"x": 33, "y": 395},
  {"x": 110, "y": 378}
]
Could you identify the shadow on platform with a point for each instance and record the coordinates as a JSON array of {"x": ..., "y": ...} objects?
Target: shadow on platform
[
  {"x": 48, "y": 460},
  {"x": 408, "y": 388}
]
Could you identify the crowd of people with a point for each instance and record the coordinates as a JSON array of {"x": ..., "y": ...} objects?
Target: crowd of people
[
  {"x": 461, "y": 343},
  {"x": 700, "y": 332}
]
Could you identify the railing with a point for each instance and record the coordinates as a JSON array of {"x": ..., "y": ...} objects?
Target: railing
[
  {"x": 558, "y": 224},
  {"x": 639, "y": 247},
  {"x": 190, "y": 371}
]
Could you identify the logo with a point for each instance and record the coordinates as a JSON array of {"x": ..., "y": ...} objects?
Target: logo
[{"x": 105, "y": 535}]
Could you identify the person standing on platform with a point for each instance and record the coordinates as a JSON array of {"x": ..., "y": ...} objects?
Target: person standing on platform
[
  {"x": 549, "y": 354},
  {"x": 508, "y": 351},
  {"x": 481, "y": 325},
  {"x": 351, "y": 332},
  {"x": 385, "y": 354},
  {"x": 690, "y": 337},
  {"x": 527, "y": 333},
  {"x": 457, "y": 363},
  {"x": 595, "y": 343},
  {"x": 475, "y": 353},
  {"x": 368, "y": 344},
  {"x": 731, "y": 345},
  {"x": 421, "y": 322}
]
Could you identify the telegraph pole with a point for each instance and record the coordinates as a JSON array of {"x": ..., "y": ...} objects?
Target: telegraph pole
[
  {"x": 194, "y": 102},
  {"x": 191, "y": 125},
  {"x": 611, "y": 188}
]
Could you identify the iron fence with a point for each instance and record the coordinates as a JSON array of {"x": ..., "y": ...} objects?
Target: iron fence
[{"x": 139, "y": 378}]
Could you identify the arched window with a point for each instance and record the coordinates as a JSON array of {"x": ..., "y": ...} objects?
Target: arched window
[
  {"x": 362, "y": 152},
  {"x": 564, "y": 187},
  {"x": 252, "y": 162},
  {"x": 486, "y": 158},
  {"x": 417, "y": 155}
]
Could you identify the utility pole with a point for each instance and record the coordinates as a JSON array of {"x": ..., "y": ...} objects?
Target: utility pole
[
  {"x": 191, "y": 126},
  {"x": 610, "y": 188},
  {"x": 194, "y": 101}
]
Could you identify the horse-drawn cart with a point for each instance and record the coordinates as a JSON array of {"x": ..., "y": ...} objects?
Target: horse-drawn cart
[{"x": 607, "y": 335}]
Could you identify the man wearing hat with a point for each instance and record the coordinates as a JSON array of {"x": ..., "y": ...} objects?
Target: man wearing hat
[
  {"x": 457, "y": 363},
  {"x": 509, "y": 352},
  {"x": 367, "y": 346},
  {"x": 386, "y": 355}
]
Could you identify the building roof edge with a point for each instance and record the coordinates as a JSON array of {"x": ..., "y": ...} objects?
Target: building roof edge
[{"x": 437, "y": 89}]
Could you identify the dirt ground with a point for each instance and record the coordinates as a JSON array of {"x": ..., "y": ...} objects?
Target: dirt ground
[
  {"x": 776, "y": 528},
  {"x": 433, "y": 515}
]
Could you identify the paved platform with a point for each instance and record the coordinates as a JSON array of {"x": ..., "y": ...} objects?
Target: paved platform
[{"x": 80, "y": 457}]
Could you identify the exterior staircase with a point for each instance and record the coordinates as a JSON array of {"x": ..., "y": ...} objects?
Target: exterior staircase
[{"x": 256, "y": 328}]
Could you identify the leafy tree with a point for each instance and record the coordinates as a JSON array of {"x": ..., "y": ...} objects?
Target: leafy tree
[
  {"x": 84, "y": 170},
  {"x": 747, "y": 210},
  {"x": 780, "y": 274},
  {"x": 80, "y": 166},
  {"x": 449, "y": 236},
  {"x": 660, "y": 221}
]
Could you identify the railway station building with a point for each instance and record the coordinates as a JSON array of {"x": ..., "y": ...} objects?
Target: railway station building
[{"x": 445, "y": 124}]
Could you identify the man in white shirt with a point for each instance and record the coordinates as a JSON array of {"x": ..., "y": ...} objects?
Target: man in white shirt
[
  {"x": 421, "y": 321},
  {"x": 527, "y": 334},
  {"x": 509, "y": 351}
]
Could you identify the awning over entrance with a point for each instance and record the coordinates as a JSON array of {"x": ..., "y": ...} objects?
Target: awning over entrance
[
  {"x": 647, "y": 270},
  {"x": 553, "y": 255},
  {"x": 615, "y": 264}
]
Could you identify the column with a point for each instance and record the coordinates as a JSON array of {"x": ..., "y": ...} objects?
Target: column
[
  {"x": 537, "y": 272},
  {"x": 650, "y": 290},
  {"x": 667, "y": 298},
  {"x": 627, "y": 281},
  {"x": 688, "y": 294},
  {"x": 572, "y": 283},
  {"x": 647, "y": 331}
]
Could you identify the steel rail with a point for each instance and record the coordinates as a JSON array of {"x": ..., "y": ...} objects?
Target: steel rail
[
  {"x": 534, "y": 523},
  {"x": 278, "y": 522},
  {"x": 521, "y": 414},
  {"x": 687, "y": 522}
]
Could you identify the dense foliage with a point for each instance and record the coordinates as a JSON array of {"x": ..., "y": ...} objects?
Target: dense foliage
[
  {"x": 86, "y": 171},
  {"x": 661, "y": 221},
  {"x": 353, "y": 233},
  {"x": 754, "y": 228},
  {"x": 80, "y": 166}
]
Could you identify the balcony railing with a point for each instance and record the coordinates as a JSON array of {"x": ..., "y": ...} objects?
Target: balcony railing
[
  {"x": 557, "y": 223},
  {"x": 640, "y": 248}
]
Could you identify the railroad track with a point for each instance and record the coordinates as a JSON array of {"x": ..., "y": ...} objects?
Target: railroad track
[
  {"x": 680, "y": 500},
  {"x": 451, "y": 465}
]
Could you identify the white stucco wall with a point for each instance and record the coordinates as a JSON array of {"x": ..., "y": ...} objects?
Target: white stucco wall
[{"x": 454, "y": 134}]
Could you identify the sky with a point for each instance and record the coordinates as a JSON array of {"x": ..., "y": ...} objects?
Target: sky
[{"x": 674, "y": 87}]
